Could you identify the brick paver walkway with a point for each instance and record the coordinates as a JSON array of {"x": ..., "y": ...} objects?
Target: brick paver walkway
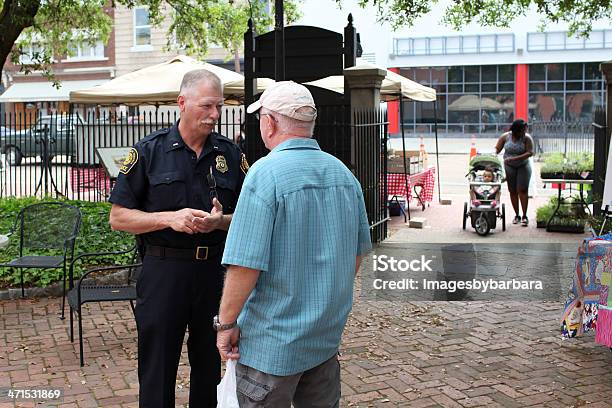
[
  {"x": 425, "y": 354},
  {"x": 395, "y": 354}
]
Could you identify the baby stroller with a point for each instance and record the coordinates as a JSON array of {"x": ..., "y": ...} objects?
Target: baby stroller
[{"x": 485, "y": 177}]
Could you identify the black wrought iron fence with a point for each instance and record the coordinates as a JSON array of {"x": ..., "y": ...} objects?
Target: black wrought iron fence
[
  {"x": 370, "y": 166},
  {"x": 58, "y": 155},
  {"x": 601, "y": 149},
  {"x": 561, "y": 137}
]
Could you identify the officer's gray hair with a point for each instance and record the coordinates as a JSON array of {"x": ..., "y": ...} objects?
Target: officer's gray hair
[{"x": 196, "y": 77}]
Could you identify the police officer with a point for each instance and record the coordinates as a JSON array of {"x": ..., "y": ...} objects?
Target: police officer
[{"x": 177, "y": 190}]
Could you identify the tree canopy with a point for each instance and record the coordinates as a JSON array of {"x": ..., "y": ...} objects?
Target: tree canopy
[
  {"x": 44, "y": 29},
  {"x": 578, "y": 14},
  {"x": 57, "y": 26}
]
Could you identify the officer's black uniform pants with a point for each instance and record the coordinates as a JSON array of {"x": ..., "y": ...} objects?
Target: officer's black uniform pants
[{"x": 174, "y": 295}]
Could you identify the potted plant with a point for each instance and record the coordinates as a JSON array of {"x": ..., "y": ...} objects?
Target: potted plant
[
  {"x": 586, "y": 164},
  {"x": 543, "y": 214},
  {"x": 566, "y": 224},
  {"x": 551, "y": 170},
  {"x": 554, "y": 158},
  {"x": 576, "y": 166},
  {"x": 570, "y": 170},
  {"x": 571, "y": 216}
]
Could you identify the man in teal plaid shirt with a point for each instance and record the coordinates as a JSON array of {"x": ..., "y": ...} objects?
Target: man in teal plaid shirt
[{"x": 294, "y": 246}]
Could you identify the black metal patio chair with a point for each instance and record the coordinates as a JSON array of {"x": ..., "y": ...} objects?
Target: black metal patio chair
[
  {"x": 47, "y": 236},
  {"x": 91, "y": 287}
]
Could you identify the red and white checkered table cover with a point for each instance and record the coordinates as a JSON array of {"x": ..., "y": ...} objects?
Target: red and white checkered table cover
[
  {"x": 85, "y": 179},
  {"x": 396, "y": 184}
]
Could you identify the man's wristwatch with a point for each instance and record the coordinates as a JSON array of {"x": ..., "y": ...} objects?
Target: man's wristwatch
[{"x": 220, "y": 327}]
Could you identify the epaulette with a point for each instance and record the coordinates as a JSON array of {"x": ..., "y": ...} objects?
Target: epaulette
[{"x": 155, "y": 134}]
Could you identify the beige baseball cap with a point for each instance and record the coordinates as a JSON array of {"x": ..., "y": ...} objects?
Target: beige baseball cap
[{"x": 286, "y": 98}]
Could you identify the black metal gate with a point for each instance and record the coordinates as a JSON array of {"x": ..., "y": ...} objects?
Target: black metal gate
[
  {"x": 370, "y": 158},
  {"x": 357, "y": 138},
  {"x": 602, "y": 146},
  {"x": 311, "y": 53}
]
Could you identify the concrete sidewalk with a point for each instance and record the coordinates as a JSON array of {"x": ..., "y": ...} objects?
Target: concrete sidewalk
[
  {"x": 445, "y": 145},
  {"x": 444, "y": 222}
]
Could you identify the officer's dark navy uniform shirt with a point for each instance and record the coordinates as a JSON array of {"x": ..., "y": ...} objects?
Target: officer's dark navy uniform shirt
[{"x": 167, "y": 176}]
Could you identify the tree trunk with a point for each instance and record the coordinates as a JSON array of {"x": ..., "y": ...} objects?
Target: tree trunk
[
  {"x": 16, "y": 15},
  {"x": 237, "y": 60}
]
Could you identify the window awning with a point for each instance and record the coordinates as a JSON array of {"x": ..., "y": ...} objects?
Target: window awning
[{"x": 45, "y": 91}]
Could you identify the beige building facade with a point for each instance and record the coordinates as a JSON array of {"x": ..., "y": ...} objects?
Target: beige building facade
[
  {"x": 133, "y": 44},
  {"x": 139, "y": 44}
]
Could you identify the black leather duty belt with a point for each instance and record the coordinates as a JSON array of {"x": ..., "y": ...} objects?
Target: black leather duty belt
[{"x": 201, "y": 253}]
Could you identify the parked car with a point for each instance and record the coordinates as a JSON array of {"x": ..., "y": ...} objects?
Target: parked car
[{"x": 57, "y": 132}]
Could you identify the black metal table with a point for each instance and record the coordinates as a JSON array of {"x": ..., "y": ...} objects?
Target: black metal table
[{"x": 560, "y": 199}]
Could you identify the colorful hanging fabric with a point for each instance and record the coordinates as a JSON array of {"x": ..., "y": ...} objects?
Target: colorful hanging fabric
[
  {"x": 603, "y": 334},
  {"x": 588, "y": 306}
]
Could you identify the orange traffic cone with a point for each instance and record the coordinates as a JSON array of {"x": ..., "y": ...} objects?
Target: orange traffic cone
[{"x": 473, "y": 147}]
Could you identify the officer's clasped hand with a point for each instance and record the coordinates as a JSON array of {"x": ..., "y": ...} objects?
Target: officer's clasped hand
[
  {"x": 184, "y": 220},
  {"x": 212, "y": 221}
]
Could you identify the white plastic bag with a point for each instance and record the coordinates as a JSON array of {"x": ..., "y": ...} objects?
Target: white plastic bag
[{"x": 226, "y": 390}]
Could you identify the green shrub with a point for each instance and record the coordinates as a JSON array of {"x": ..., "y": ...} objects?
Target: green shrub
[
  {"x": 95, "y": 235},
  {"x": 586, "y": 162},
  {"x": 596, "y": 222}
]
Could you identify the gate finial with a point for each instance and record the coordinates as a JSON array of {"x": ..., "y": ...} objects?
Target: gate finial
[{"x": 350, "y": 19}]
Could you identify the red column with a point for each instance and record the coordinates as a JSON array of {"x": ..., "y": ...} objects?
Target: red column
[
  {"x": 521, "y": 92},
  {"x": 393, "y": 111}
]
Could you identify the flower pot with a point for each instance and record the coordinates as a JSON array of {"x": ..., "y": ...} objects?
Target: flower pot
[
  {"x": 574, "y": 229},
  {"x": 551, "y": 175},
  {"x": 562, "y": 224},
  {"x": 571, "y": 176}
]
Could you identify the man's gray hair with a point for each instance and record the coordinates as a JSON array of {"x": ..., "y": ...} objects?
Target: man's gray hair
[
  {"x": 193, "y": 78},
  {"x": 287, "y": 124}
]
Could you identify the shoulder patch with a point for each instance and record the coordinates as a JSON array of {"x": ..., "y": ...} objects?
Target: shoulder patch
[
  {"x": 244, "y": 164},
  {"x": 130, "y": 160}
]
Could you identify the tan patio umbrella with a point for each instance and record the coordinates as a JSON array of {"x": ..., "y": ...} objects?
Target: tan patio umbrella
[
  {"x": 489, "y": 104},
  {"x": 157, "y": 84},
  {"x": 394, "y": 83},
  {"x": 391, "y": 88},
  {"x": 473, "y": 103},
  {"x": 236, "y": 88}
]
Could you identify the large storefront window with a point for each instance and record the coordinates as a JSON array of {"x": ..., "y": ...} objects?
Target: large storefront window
[
  {"x": 564, "y": 92},
  {"x": 471, "y": 99}
]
